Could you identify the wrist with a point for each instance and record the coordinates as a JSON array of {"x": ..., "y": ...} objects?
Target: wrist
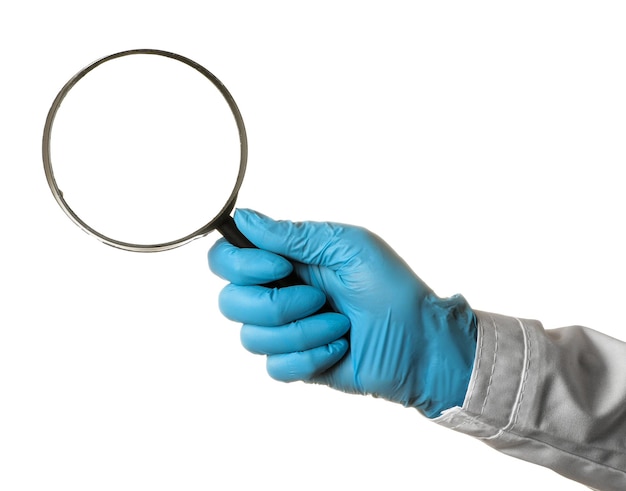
[{"x": 447, "y": 358}]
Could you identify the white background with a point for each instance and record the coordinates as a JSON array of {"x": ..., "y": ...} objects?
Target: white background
[{"x": 483, "y": 140}]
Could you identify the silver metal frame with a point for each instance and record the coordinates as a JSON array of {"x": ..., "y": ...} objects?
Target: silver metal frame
[{"x": 216, "y": 222}]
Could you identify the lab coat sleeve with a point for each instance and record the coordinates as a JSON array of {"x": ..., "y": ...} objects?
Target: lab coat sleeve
[{"x": 556, "y": 398}]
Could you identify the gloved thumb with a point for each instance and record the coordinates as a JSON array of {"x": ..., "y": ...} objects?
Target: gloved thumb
[{"x": 305, "y": 242}]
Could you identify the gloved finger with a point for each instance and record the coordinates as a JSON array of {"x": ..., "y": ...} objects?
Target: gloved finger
[
  {"x": 303, "y": 365},
  {"x": 269, "y": 306},
  {"x": 357, "y": 256},
  {"x": 306, "y": 242},
  {"x": 246, "y": 266},
  {"x": 301, "y": 335}
]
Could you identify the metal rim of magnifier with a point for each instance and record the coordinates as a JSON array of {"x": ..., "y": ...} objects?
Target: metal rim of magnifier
[{"x": 163, "y": 246}]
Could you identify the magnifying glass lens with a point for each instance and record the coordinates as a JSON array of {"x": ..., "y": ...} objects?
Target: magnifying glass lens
[{"x": 145, "y": 149}]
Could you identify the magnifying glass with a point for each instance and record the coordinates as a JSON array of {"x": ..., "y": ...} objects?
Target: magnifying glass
[{"x": 150, "y": 150}]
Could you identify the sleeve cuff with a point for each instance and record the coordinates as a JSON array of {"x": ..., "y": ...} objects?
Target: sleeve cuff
[{"x": 498, "y": 380}]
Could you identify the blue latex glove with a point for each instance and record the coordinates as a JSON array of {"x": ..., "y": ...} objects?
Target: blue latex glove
[{"x": 390, "y": 336}]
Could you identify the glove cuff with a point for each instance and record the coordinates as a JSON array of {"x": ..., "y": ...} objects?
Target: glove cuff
[{"x": 450, "y": 334}]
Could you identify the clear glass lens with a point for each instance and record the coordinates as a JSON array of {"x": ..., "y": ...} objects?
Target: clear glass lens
[{"x": 145, "y": 149}]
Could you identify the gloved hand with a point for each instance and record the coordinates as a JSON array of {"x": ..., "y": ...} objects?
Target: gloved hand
[{"x": 390, "y": 336}]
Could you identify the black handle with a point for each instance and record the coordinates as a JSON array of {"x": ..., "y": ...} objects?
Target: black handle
[{"x": 228, "y": 228}]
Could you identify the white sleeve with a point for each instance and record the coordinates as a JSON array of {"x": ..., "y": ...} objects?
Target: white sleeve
[{"x": 556, "y": 398}]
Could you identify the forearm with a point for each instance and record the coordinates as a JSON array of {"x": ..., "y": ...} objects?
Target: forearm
[{"x": 556, "y": 398}]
